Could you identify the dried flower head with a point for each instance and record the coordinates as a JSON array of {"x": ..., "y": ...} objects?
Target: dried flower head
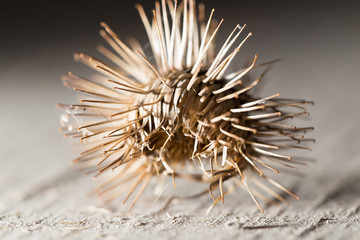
[{"x": 155, "y": 118}]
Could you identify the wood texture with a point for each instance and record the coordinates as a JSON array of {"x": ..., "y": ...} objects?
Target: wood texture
[{"x": 43, "y": 197}]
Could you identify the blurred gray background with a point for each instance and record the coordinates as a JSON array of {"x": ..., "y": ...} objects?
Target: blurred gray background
[{"x": 41, "y": 196}]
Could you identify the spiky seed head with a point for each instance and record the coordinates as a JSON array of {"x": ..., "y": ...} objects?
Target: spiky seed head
[{"x": 148, "y": 118}]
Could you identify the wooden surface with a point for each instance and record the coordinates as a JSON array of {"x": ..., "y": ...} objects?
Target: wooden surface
[
  {"x": 54, "y": 206},
  {"x": 43, "y": 197}
]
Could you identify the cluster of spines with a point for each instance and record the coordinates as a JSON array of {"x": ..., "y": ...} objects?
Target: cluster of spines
[{"x": 133, "y": 111}]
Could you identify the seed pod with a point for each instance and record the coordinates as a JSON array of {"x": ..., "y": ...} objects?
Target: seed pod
[{"x": 156, "y": 118}]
